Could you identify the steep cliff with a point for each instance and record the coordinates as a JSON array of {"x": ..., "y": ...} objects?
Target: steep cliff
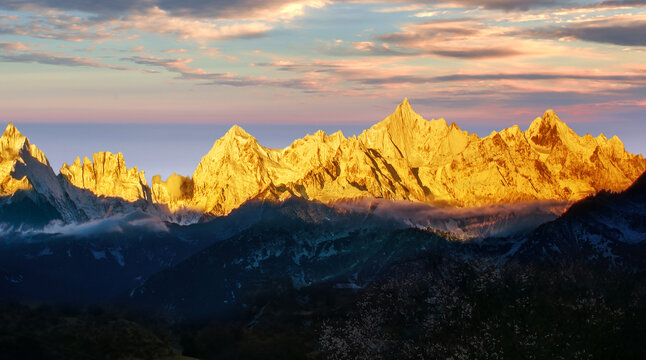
[
  {"x": 107, "y": 175},
  {"x": 25, "y": 169},
  {"x": 15, "y": 152}
]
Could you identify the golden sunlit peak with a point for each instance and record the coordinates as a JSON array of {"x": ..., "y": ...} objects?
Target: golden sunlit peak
[
  {"x": 551, "y": 116},
  {"x": 403, "y": 117},
  {"x": 12, "y": 131},
  {"x": 13, "y": 140},
  {"x": 15, "y": 147},
  {"x": 615, "y": 139},
  {"x": 405, "y": 106},
  {"x": 106, "y": 174},
  {"x": 10, "y": 127},
  {"x": 545, "y": 124},
  {"x": 320, "y": 134},
  {"x": 237, "y": 131}
]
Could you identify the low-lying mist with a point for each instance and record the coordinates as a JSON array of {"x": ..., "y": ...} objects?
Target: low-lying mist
[
  {"x": 465, "y": 223},
  {"x": 475, "y": 222},
  {"x": 118, "y": 223}
]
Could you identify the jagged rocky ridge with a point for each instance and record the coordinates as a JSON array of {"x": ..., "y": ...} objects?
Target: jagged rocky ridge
[
  {"x": 106, "y": 175},
  {"x": 32, "y": 194},
  {"x": 403, "y": 157}
]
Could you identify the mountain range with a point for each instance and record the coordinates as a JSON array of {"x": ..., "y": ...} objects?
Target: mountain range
[
  {"x": 404, "y": 157},
  {"x": 413, "y": 239},
  {"x": 301, "y": 279}
]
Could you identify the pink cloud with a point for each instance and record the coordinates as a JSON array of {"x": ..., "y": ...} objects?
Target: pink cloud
[
  {"x": 21, "y": 53},
  {"x": 174, "y": 51}
]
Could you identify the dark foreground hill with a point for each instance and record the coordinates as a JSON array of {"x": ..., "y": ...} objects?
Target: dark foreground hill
[{"x": 306, "y": 282}]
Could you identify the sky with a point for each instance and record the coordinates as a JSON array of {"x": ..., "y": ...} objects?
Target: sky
[{"x": 160, "y": 80}]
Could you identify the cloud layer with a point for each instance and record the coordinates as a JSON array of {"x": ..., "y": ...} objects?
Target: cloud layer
[
  {"x": 627, "y": 31},
  {"x": 219, "y": 9},
  {"x": 461, "y": 58}
]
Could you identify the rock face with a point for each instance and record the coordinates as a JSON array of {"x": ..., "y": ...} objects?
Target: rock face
[
  {"x": 405, "y": 157},
  {"x": 15, "y": 150},
  {"x": 238, "y": 169},
  {"x": 24, "y": 169},
  {"x": 107, "y": 175},
  {"x": 175, "y": 195}
]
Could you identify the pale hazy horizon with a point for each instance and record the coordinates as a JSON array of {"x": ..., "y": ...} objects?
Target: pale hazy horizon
[{"x": 166, "y": 148}]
